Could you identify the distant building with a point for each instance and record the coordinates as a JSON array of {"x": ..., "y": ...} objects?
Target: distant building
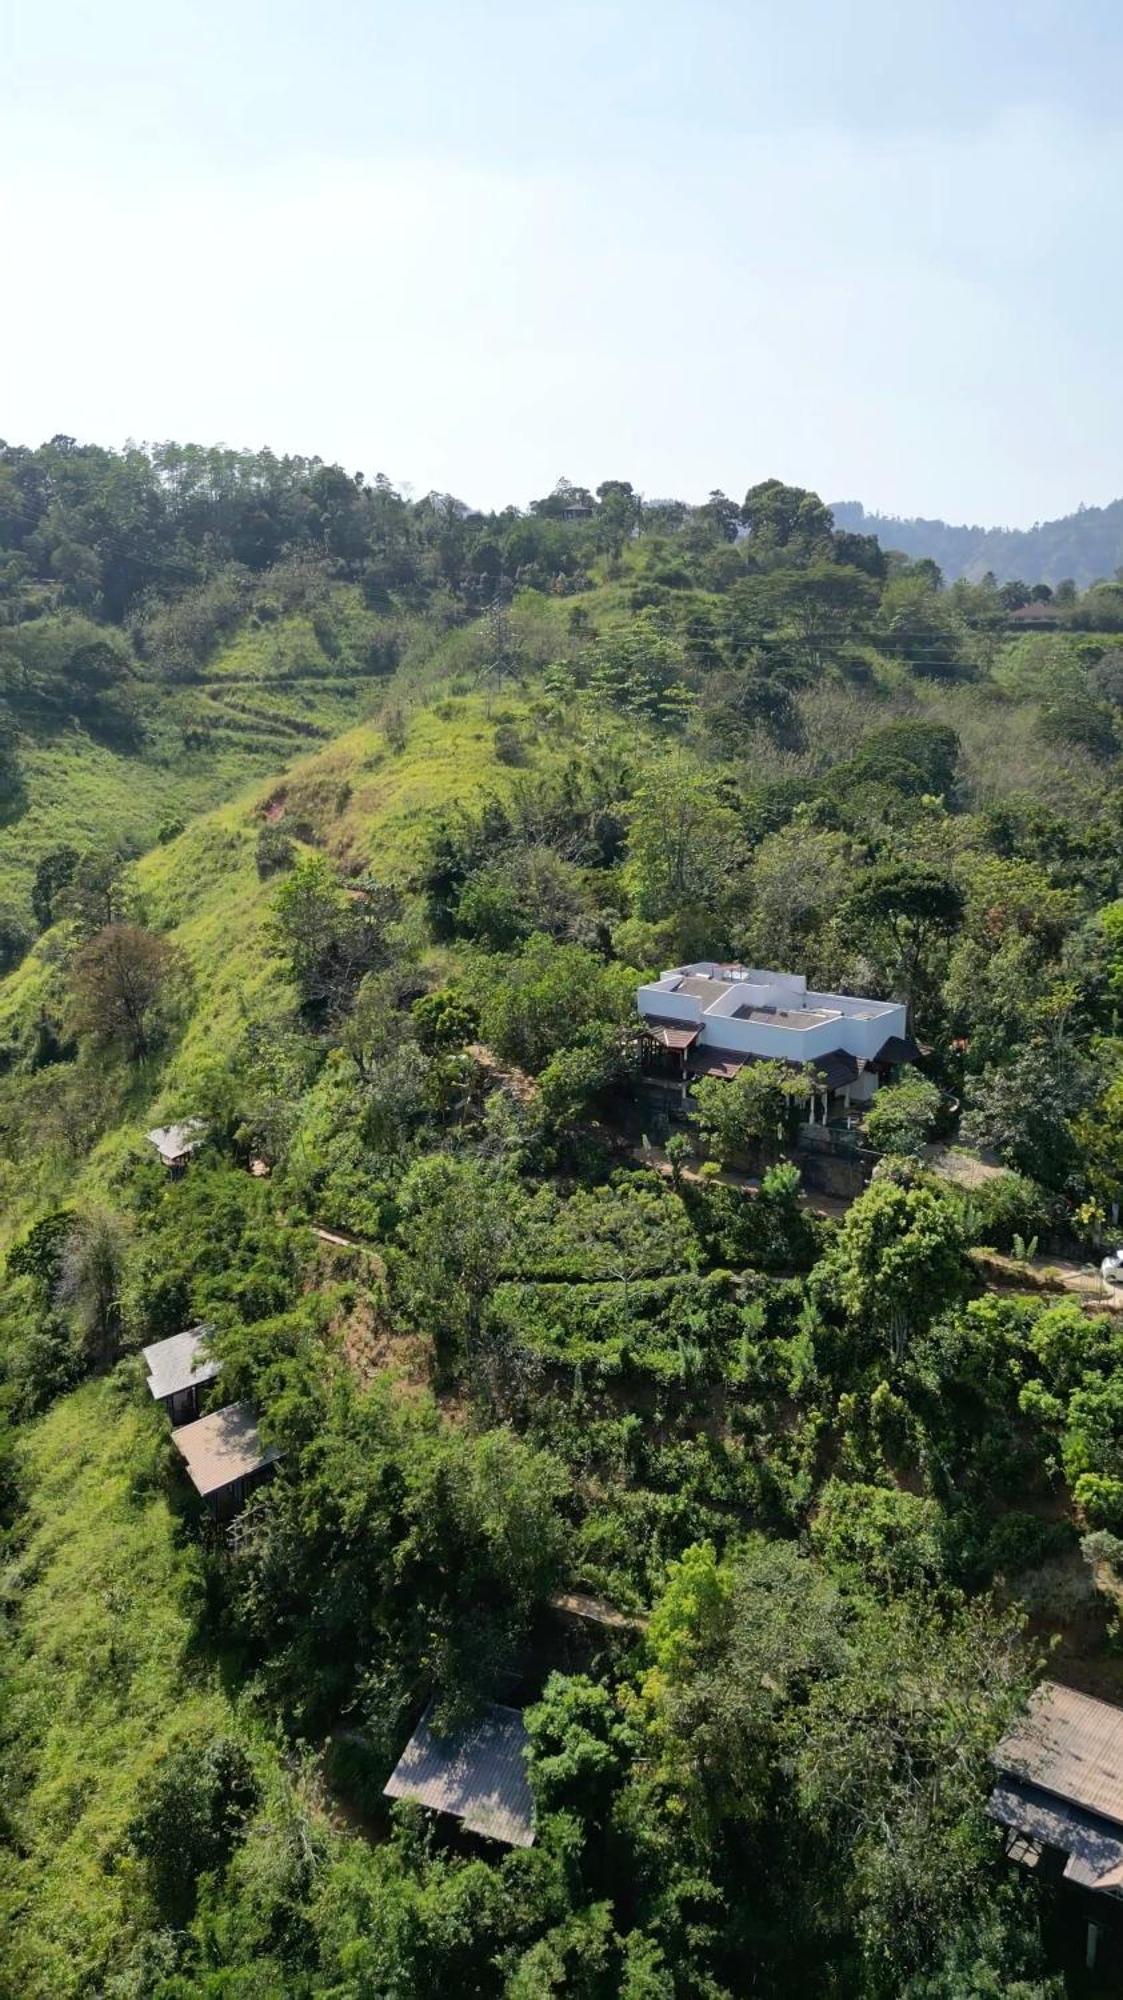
[
  {"x": 1036, "y": 617},
  {"x": 1060, "y": 1797},
  {"x": 710, "y": 1019},
  {"x": 176, "y": 1143},
  {"x": 476, "y": 1775},
  {"x": 177, "y": 1369},
  {"x": 225, "y": 1457}
]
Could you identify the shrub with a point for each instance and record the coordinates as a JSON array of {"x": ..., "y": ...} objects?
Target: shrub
[
  {"x": 191, "y": 1817},
  {"x": 1004, "y": 1206},
  {"x": 901, "y": 1117},
  {"x": 509, "y": 746},
  {"x": 274, "y": 851},
  {"x": 395, "y": 729},
  {"x": 15, "y": 939},
  {"x": 893, "y": 1536}
]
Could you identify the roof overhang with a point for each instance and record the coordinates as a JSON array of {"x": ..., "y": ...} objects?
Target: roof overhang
[
  {"x": 671, "y": 1034},
  {"x": 718, "y": 1062},
  {"x": 1094, "y": 1846},
  {"x": 899, "y": 1049},
  {"x": 836, "y": 1069}
]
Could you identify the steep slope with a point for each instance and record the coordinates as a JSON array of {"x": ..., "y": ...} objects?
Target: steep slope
[{"x": 109, "y": 1597}]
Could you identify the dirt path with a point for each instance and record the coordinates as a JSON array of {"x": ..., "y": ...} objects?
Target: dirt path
[{"x": 1049, "y": 1274}]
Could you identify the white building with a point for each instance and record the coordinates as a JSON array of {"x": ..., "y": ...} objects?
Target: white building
[{"x": 711, "y": 1019}]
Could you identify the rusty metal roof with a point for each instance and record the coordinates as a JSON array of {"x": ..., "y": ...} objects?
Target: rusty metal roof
[
  {"x": 180, "y": 1363},
  {"x": 718, "y": 1062},
  {"x": 1069, "y": 1745},
  {"x": 222, "y": 1448},
  {"x": 477, "y": 1774}
]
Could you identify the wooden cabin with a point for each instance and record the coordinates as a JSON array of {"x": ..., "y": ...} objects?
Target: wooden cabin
[
  {"x": 225, "y": 1457},
  {"x": 1060, "y": 1797},
  {"x": 177, "y": 1369},
  {"x": 176, "y": 1143}
]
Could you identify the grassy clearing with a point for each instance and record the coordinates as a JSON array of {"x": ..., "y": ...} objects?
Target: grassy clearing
[{"x": 101, "y": 1678}]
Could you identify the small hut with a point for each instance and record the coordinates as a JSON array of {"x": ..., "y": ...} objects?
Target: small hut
[
  {"x": 225, "y": 1457},
  {"x": 177, "y": 1369},
  {"x": 176, "y": 1143},
  {"x": 476, "y": 1775}
]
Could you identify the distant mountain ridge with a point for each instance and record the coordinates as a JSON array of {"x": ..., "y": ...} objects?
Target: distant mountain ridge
[{"x": 1086, "y": 546}]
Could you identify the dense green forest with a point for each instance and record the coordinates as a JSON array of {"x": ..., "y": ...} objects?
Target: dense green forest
[
  {"x": 348, "y": 824},
  {"x": 1080, "y": 548}
]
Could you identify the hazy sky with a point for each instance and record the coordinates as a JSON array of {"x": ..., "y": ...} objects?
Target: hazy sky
[{"x": 874, "y": 249}]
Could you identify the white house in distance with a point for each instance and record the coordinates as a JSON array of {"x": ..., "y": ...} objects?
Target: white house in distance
[{"x": 712, "y": 1018}]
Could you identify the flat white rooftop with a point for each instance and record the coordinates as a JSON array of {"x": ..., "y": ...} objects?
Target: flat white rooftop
[{"x": 749, "y": 993}]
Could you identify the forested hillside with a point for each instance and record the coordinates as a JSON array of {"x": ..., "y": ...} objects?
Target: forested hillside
[
  {"x": 348, "y": 825},
  {"x": 1081, "y": 548}
]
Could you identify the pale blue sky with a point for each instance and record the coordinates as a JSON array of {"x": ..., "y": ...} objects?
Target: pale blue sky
[{"x": 873, "y": 249}]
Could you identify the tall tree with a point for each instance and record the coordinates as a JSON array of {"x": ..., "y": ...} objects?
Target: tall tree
[{"x": 121, "y": 984}]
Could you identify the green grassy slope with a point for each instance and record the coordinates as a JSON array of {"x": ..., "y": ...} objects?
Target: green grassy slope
[
  {"x": 106, "y": 1594},
  {"x": 101, "y": 1677}
]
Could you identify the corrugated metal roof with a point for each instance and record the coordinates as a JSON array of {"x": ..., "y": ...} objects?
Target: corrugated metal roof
[
  {"x": 718, "y": 1062},
  {"x": 172, "y": 1142},
  {"x": 1071, "y": 1745},
  {"x": 477, "y": 1774},
  {"x": 180, "y": 1363},
  {"x": 222, "y": 1448}
]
